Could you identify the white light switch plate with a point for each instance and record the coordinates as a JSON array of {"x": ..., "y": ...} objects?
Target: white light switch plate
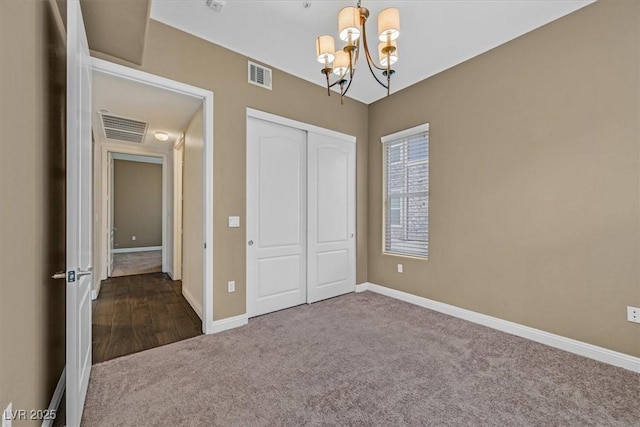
[
  {"x": 400, "y": 269},
  {"x": 231, "y": 286},
  {"x": 234, "y": 221}
]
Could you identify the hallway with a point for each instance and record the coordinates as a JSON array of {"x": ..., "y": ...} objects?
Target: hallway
[{"x": 136, "y": 313}]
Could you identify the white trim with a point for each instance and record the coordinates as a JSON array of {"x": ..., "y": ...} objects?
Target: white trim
[
  {"x": 140, "y": 249},
  {"x": 192, "y": 302},
  {"x": 361, "y": 287},
  {"x": 405, "y": 133},
  {"x": 261, "y": 115},
  {"x": 229, "y": 323},
  {"x": 121, "y": 71},
  {"x": 54, "y": 405},
  {"x": 137, "y": 158},
  {"x": 580, "y": 348}
]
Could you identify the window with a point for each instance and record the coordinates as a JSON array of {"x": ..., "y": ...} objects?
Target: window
[{"x": 406, "y": 192}]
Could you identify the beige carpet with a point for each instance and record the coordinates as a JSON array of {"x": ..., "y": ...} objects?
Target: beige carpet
[
  {"x": 360, "y": 360},
  {"x": 130, "y": 263}
]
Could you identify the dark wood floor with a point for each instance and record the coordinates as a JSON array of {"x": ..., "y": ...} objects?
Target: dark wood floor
[{"x": 136, "y": 313}]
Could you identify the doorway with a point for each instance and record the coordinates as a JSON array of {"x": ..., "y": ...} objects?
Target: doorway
[
  {"x": 170, "y": 300},
  {"x": 135, "y": 214}
]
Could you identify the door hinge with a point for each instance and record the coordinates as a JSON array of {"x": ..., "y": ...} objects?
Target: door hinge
[{"x": 205, "y": 246}]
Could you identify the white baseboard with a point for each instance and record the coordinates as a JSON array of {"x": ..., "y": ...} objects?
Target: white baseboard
[
  {"x": 229, "y": 323},
  {"x": 54, "y": 405},
  {"x": 591, "y": 351},
  {"x": 95, "y": 292},
  {"x": 140, "y": 249},
  {"x": 363, "y": 287},
  {"x": 197, "y": 307}
]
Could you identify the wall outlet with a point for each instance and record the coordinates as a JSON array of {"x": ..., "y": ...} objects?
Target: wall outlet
[
  {"x": 231, "y": 286},
  {"x": 7, "y": 415},
  {"x": 400, "y": 269},
  {"x": 133, "y": 237},
  {"x": 633, "y": 314}
]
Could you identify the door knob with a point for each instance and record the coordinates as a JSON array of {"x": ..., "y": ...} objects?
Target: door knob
[
  {"x": 250, "y": 242},
  {"x": 351, "y": 235}
]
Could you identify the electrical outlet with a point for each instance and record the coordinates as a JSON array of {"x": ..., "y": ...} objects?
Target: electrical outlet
[
  {"x": 7, "y": 415},
  {"x": 633, "y": 314},
  {"x": 400, "y": 269},
  {"x": 231, "y": 286},
  {"x": 234, "y": 221},
  {"x": 133, "y": 237}
]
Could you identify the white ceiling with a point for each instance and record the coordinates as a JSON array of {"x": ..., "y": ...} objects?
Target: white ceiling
[
  {"x": 435, "y": 34},
  {"x": 163, "y": 109}
]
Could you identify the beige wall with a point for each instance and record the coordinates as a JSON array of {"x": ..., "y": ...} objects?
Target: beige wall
[
  {"x": 174, "y": 54},
  {"x": 192, "y": 211},
  {"x": 137, "y": 204},
  {"x": 534, "y": 179},
  {"x": 32, "y": 216}
]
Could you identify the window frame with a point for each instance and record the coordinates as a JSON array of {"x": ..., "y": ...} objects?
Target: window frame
[{"x": 395, "y": 137}]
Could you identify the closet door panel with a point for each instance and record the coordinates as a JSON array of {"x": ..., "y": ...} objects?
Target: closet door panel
[
  {"x": 276, "y": 212},
  {"x": 331, "y": 217}
]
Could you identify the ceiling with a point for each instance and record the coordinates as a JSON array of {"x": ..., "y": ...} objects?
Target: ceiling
[
  {"x": 163, "y": 109},
  {"x": 434, "y": 35}
]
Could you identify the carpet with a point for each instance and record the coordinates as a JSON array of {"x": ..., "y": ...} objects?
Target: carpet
[
  {"x": 360, "y": 360},
  {"x": 130, "y": 263}
]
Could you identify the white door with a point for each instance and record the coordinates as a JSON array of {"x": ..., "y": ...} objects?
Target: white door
[
  {"x": 276, "y": 217},
  {"x": 111, "y": 231},
  {"x": 79, "y": 251},
  {"x": 331, "y": 255}
]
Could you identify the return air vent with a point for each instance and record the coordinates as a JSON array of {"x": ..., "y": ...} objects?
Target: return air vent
[
  {"x": 259, "y": 75},
  {"x": 123, "y": 129}
]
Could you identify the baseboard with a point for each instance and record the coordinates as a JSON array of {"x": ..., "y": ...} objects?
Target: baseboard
[
  {"x": 197, "y": 307},
  {"x": 95, "y": 292},
  {"x": 54, "y": 405},
  {"x": 230, "y": 323},
  {"x": 140, "y": 249},
  {"x": 591, "y": 351},
  {"x": 363, "y": 287}
]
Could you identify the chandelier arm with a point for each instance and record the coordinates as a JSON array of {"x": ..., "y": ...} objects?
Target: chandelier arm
[
  {"x": 352, "y": 70},
  {"x": 366, "y": 51},
  {"x": 376, "y": 77}
]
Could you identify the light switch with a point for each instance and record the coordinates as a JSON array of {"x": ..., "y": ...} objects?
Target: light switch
[{"x": 234, "y": 221}]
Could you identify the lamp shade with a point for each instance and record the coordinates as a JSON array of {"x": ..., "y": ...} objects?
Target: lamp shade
[
  {"x": 389, "y": 24},
  {"x": 349, "y": 24},
  {"x": 388, "y": 53},
  {"x": 341, "y": 63},
  {"x": 325, "y": 49}
]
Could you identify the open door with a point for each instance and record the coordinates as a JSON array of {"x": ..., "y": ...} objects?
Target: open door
[{"x": 79, "y": 188}]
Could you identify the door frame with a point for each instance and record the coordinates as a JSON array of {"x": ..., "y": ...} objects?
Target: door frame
[
  {"x": 111, "y": 151},
  {"x": 142, "y": 77},
  {"x": 273, "y": 118}
]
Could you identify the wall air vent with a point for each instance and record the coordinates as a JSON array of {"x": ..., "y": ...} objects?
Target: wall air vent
[
  {"x": 123, "y": 129},
  {"x": 259, "y": 75}
]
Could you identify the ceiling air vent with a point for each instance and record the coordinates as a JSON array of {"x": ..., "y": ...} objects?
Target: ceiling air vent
[
  {"x": 123, "y": 129},
  {"x": 259, "y": 75}
]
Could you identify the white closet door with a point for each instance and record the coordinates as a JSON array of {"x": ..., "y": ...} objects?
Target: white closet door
[
  {"x": 276, "y": 212},
  {"x": 331, "y": 257}
]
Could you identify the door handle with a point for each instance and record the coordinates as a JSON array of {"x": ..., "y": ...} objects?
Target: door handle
[
  {"x": 250, "y": 242},
  {"x": 60, "y": 275},
  {"x": 351, "y": 235},
  {"x": 86, "y": 272}
]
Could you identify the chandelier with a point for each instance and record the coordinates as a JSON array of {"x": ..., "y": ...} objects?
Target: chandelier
[{"x": 351, "y": 29}]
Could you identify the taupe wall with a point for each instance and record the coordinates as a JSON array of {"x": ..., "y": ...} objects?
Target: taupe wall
[
  {"x": 534, "y": 180},
  {"x": 32, "y": 216},
  {"x": 137, "y": 207},
  {"x": 192, "y": 211},
  {"x": 212, "y": 67}
]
